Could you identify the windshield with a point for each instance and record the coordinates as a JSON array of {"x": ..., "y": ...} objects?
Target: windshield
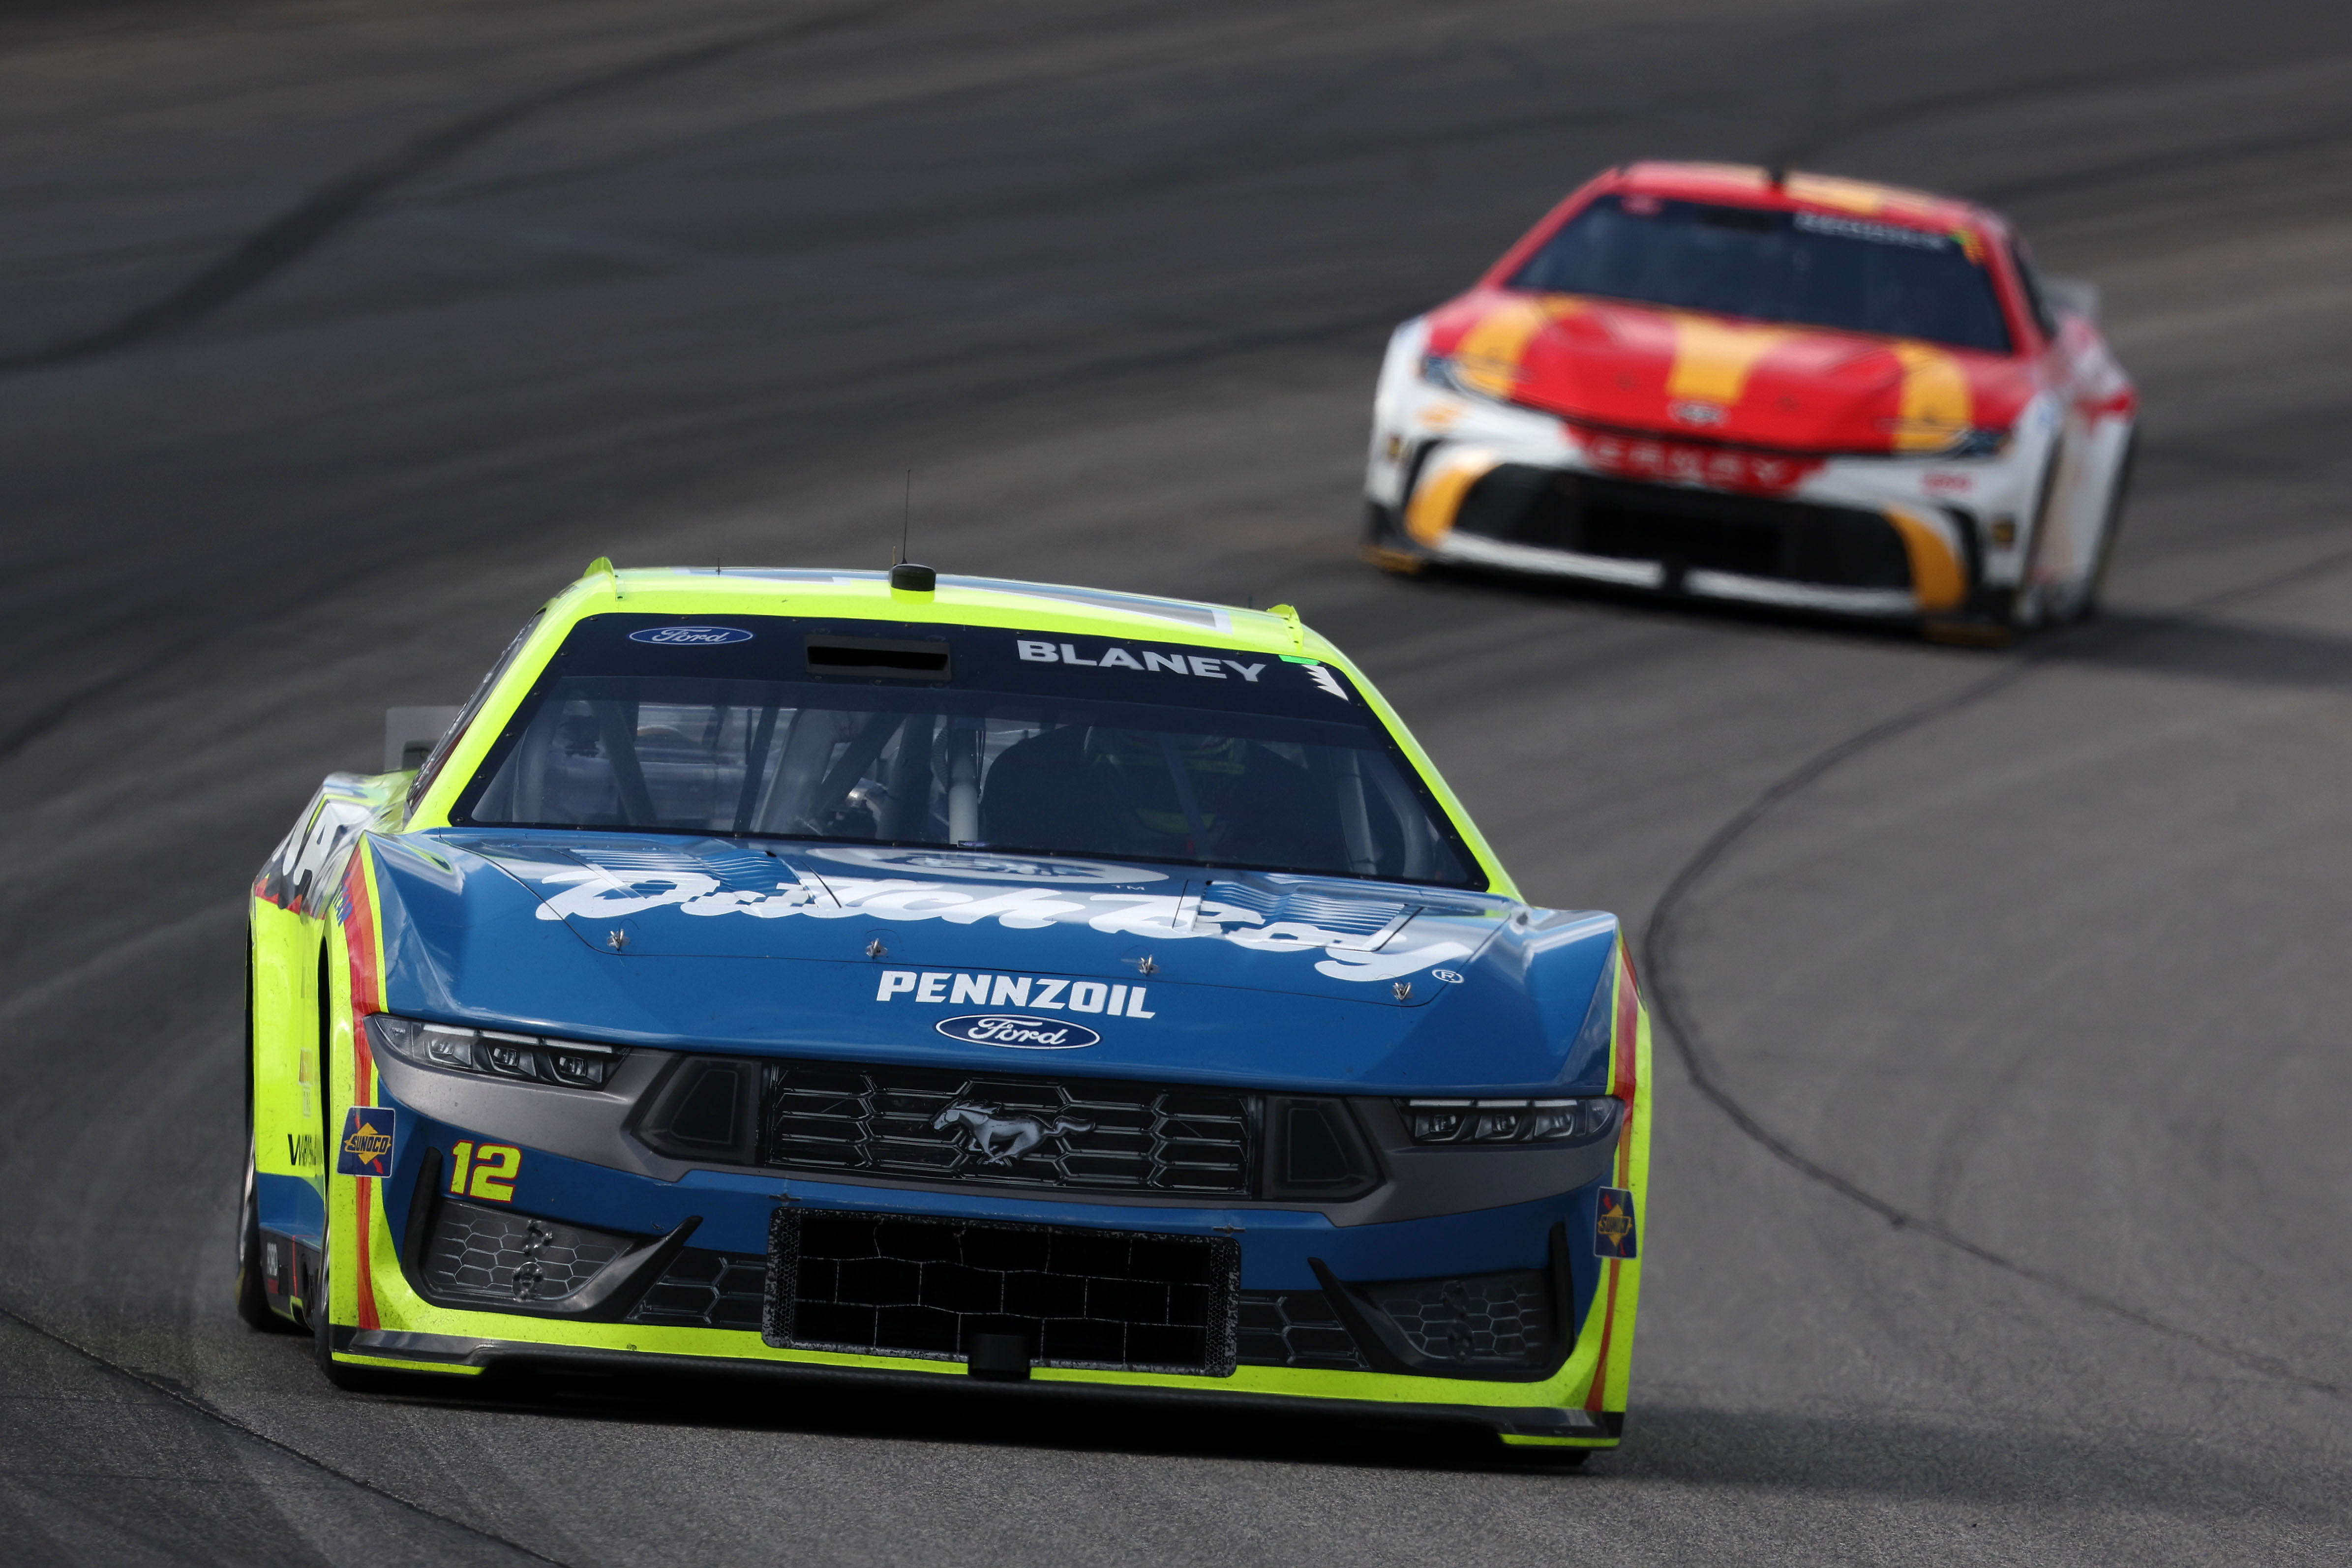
[
  {"x": 964, "y": 737},
  {"x": 1815, "y": 269}
]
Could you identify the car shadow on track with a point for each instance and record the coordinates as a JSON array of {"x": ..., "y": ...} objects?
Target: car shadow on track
[
  {"x": 2145, "y": 641},
  {"x": 1874, "y": 1455},
  {"x": 2208, "y": 649},
  {"x": 1464, "y": 582},
  {"x": 970, "y": 1414}
]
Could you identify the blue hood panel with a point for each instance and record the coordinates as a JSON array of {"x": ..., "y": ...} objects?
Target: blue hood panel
[{"x": 858, "y": 952}]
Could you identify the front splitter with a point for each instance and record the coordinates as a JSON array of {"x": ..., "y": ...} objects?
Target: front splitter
[{"x": 453, "y": 1352}]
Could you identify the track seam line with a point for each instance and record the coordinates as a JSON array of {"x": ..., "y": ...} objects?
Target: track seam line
[
  {"x": 277, "y": 245},
  {"x": 215, "y": 1414},
  {"x": 1657, "y": 949},
  {"x": 266, "y": 252}
]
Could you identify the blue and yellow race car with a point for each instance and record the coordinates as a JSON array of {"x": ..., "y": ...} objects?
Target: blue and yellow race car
[{"x": 898, "y": 978}]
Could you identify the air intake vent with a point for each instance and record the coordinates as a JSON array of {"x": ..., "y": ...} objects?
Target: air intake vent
[
  {"x": 1315, "y": 1152},
  {"x": 500, "y": 1258}
]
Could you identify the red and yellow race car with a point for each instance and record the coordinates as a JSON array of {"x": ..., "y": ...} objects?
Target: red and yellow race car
[{"x": 1754, "y": 384}]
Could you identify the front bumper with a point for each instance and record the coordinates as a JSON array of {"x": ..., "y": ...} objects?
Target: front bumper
[
  {"x": 1829, "y": 551},
  {"x": 684, "y": 1282},
  {"x": 1459, "y": 479},
  {"x": 472, "y": 1354}
]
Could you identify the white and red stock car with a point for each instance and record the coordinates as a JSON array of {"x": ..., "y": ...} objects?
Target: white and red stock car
[{"x": 1753, "y": 384}]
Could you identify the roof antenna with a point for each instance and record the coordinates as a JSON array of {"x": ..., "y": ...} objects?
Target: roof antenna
[
  {"x": 906, "y": 520},
  {"x": 1776, "y": 175},
  {"x": 905, "y": 575}
]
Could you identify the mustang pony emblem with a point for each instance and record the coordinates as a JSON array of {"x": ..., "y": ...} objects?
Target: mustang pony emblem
[{"x": 987, "y": 1125}]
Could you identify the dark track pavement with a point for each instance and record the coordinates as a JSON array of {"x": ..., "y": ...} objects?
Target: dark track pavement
[{"x": 2003, "y": 1187}]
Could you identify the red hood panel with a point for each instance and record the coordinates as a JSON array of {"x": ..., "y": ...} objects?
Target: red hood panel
[{"x": 1800, "y": 389}]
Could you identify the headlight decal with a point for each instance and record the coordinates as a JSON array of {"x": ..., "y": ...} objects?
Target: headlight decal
[
  {"x": 1494, "y": 1124},
  {"x": 495, "y": 1053}
]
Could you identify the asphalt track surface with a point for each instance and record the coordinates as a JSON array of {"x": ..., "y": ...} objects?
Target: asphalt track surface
[{"x": 2003, "y": 1185}]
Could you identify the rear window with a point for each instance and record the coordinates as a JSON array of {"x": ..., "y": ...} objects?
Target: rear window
[
  {"x": 1813, "y": 270},
  {"x": 964, "y": 737}
]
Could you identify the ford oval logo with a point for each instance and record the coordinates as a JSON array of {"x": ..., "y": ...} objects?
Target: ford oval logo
[
  {"x": 1017, "y": 1031},
  {"x": 690, "y": 636}
]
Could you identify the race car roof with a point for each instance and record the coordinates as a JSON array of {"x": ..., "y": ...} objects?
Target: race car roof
[
  {"x": 819, "y": 593},
  {"x": 1745, "y": 185},
  {"x": 969, "y": 601}
]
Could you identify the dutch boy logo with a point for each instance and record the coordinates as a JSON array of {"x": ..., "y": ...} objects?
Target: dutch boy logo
[
  {"x": 1017, "y": 1033},
  {"x": 690, "y": 636}
]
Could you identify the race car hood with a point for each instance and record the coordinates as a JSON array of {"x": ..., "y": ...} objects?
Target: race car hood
[
  {"x": 1681, "y": 373},
  {"x": 1044, "y": 964}
]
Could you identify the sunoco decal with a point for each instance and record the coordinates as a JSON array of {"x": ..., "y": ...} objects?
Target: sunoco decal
[
  {"x": 365, "y": 1147},
  {"x": 1016, "y": 1033},
  {"x": 690, "y": 636},
  {"x": 1614, "y": 1234}
]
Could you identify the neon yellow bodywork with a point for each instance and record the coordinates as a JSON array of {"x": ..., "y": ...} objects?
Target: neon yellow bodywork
[{"x": 288, "y": 944}]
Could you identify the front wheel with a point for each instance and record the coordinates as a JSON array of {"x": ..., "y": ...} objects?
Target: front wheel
[
  {"x": 252, "y": 1300},
  {"x": 1385, "y": 544},
  {"x": 2109, "y": 526}
]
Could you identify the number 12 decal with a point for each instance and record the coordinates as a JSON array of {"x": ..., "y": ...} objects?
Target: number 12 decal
[{"x": 493, "y": 1167}]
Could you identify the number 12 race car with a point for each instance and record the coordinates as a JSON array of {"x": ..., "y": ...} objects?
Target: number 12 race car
[
  {"x": 899, "y": 978},
  {"x": 1778, "y": 388}
]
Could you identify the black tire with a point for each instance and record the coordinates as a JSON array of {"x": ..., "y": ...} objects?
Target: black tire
[
  {"x": 1386, "y": 544},
  {"x": 2028, "y": 596},
  {"x": 252, "y": 1300},
  {"x": 2111, "y": 525}
]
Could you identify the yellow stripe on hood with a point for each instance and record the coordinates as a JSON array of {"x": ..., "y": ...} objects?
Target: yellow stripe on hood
[
  {"x": 1935, "y": 404},
  {"x": 1488, "y": 355},
  {"x": 1713, "y": 359}
]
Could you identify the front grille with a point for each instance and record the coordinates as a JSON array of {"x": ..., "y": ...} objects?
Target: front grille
[
  {"x": 950, "y": 1126},
  {"x": 495, "y": 1255},
  {"x": 1294, "y": 1328},
  {"x": 1686, "y": 529},
  {"x": 1487, "y": 1320},
  {"x": 888, "y": 1285},
  {"x": 706, "y": 1290}
]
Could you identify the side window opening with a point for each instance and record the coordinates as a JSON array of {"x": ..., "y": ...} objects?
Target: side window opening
[
  {"x": 2037, "y": 297},
  {"x": 449, "y": 739}
]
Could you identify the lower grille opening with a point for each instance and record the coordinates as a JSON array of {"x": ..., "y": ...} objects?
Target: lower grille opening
[
  {"x": 497, "y": 1256},
  {"x": 1295, "y": 1328},
  {"x": 1470, "y": 1320},
  {"x": 706, "y": 1290},
  {"x": 1686, "y": 529},
  {"x": 888, "y": 1285}
]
